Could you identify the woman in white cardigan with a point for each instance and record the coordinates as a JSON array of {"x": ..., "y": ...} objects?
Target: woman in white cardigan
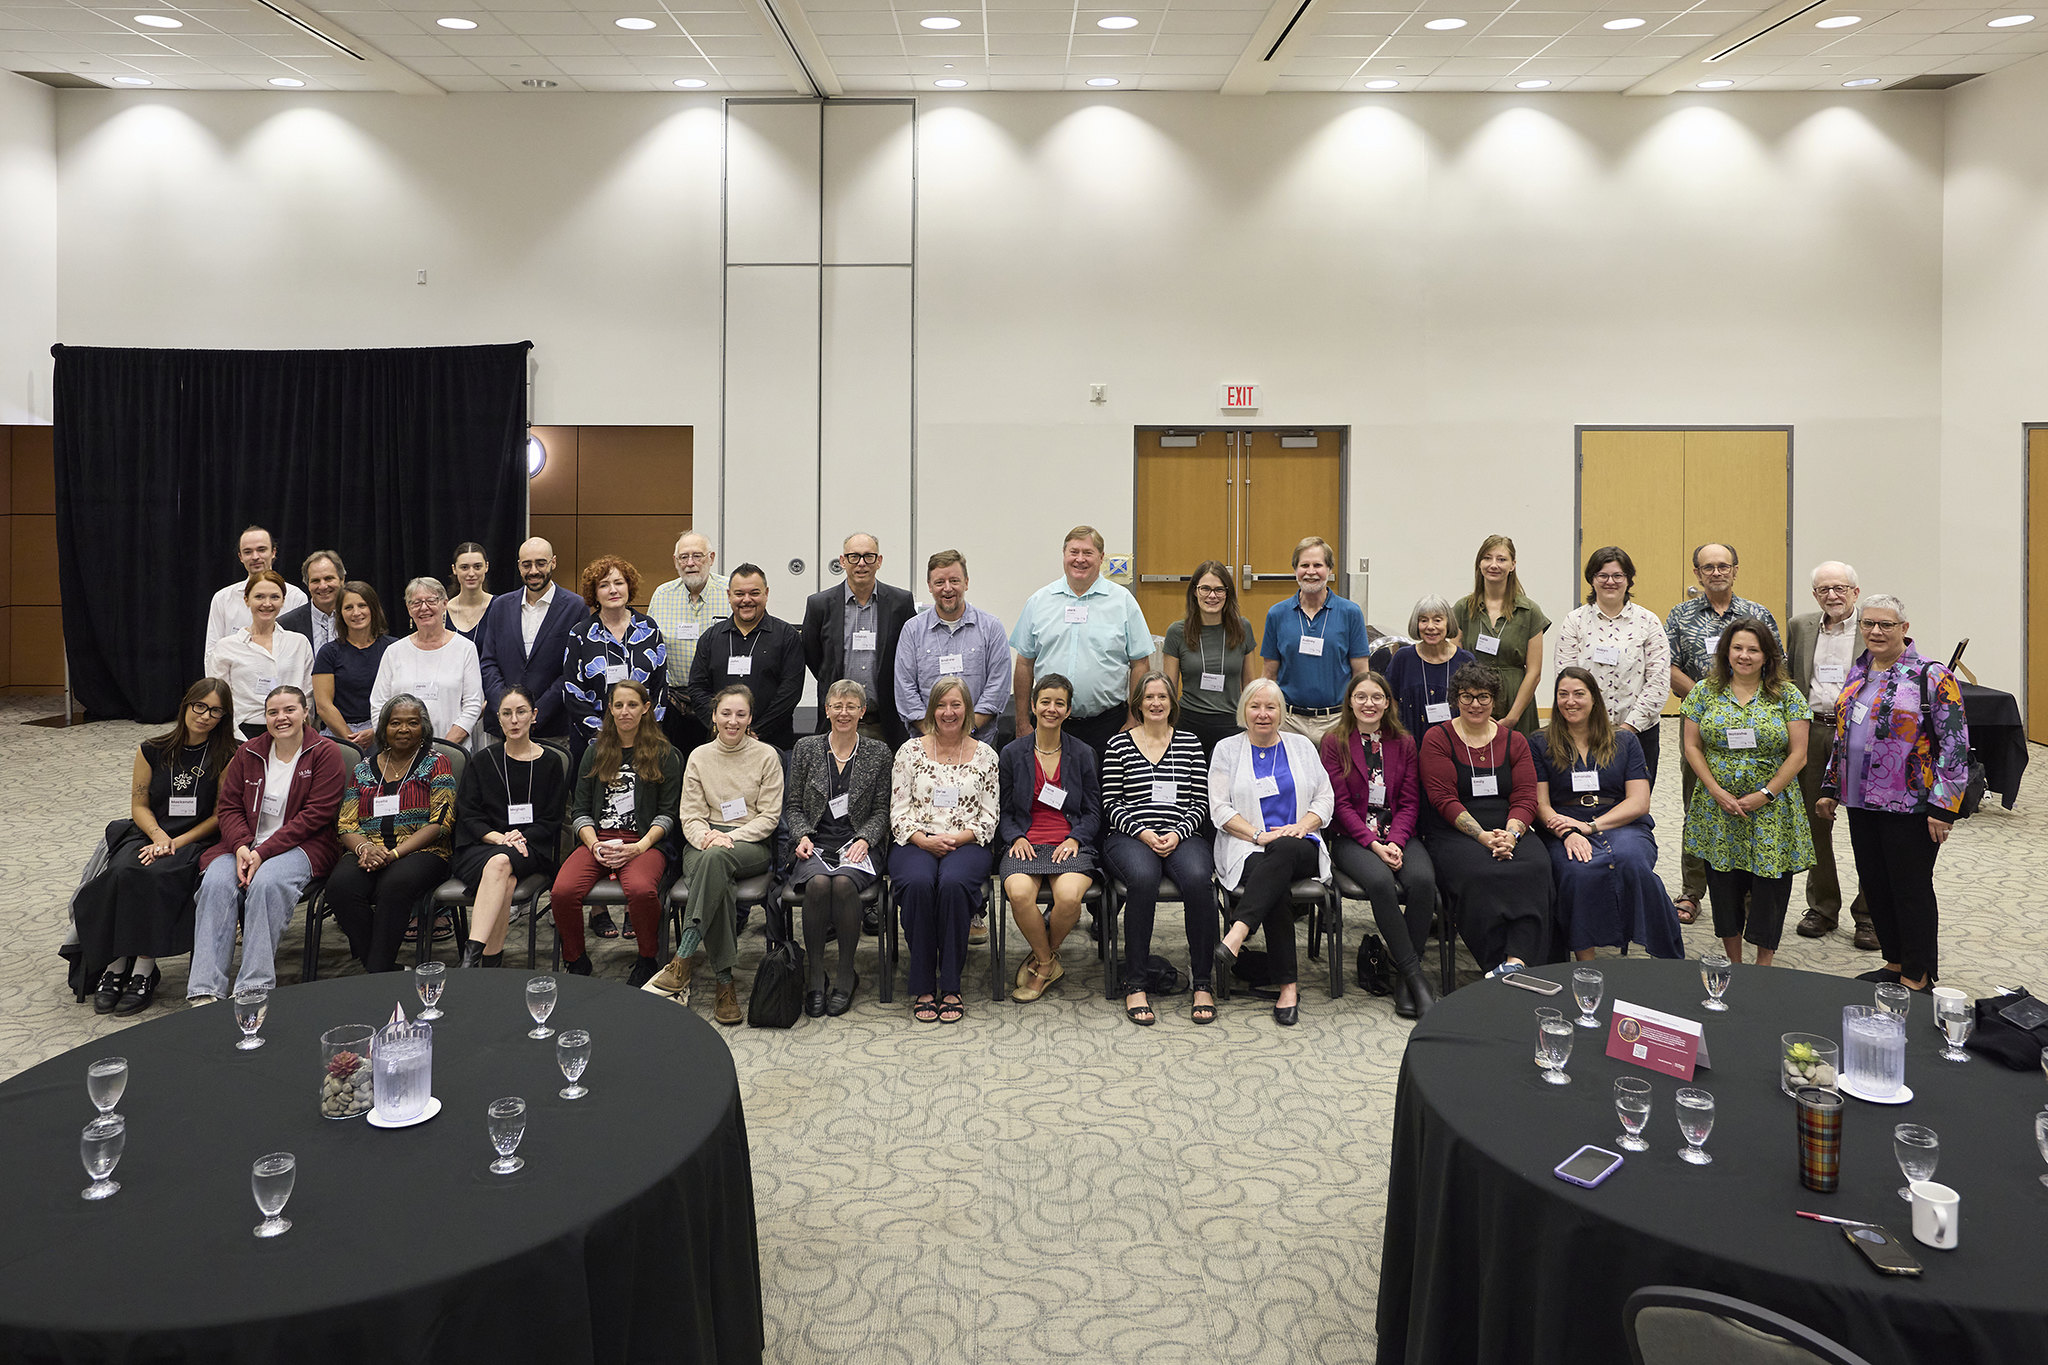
[{"x": 1268, "y": 796}]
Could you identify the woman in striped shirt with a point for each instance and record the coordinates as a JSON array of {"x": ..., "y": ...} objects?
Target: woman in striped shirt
[{"x": 1155, "y": 792}]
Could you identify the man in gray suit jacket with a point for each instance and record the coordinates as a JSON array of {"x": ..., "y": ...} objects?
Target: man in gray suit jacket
[
  {"x": 1819, "y": 647},
  {"x": 850, "y": 631}
]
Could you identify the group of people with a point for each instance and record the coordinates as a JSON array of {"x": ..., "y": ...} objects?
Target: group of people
[{"x": 1244, "y": 761}]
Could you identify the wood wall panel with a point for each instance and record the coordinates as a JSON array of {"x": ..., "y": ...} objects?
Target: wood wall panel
[
  {"x": 6, "y": 646},
  {"x": 560, "y": 532},
  {"x": 6, "y": 568},
  {"x": 38, "y": 647},
  {"x": 553, "y": 493},
  {"x": 34, "y": 471},
  {"x": 1736, "y": 488},
  {"x": 6, "y": 471},
  {"x": 645, "y": 542},
  {"x": 1186, "y": 505},
  {"x": 33, "y": 557},
  {"x": 1628, "y": 482},
  {"x": 633, "y": 471}
]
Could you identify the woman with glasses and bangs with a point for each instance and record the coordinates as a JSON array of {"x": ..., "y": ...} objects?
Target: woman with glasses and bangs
[
  {"x": 1211, "y": 654},
  {"x": 1622, "y": 644}
]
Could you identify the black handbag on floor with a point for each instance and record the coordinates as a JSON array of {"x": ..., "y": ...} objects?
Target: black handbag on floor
[
  {"x": 1375, "y": 968},
  {"x": 778, "y": 996},
  {"x": 1162, "y": 977}
]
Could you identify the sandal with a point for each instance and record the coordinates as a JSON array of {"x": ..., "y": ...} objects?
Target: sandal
[
  {"x": 601, "y": 925},
  {"x": 951, "y": 1010},
  {"x": 1141, "y": 1015},
  {"x": 925, "y": 1011},
  {"x": 1203, "y": 1014},
  {"x": 1688, "y": 909}
]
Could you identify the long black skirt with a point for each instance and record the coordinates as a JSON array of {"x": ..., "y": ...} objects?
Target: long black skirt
[
  {"x": 134, "y": 911},
  {"x": 1503, "y": 908}
]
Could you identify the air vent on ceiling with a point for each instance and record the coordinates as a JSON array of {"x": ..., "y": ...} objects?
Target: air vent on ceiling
[
  {"x": 63, "y": 80},
  {"x": 1934, "y": 82}
]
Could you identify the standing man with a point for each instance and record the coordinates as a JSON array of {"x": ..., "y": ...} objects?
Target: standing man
[
  {"x": 850, "y": 631},
  {"x": 754, "y": 649},
  {"x": 685, "y": 607},
  {"x": 952, "y": 639},
  {"x": 1091, "y": 632},
  {"x": 1693, "y": 630},
  {"x": 524, "y": 639},
  {"x": 1820, "y": 647},
  {"x": 228, "y": 612},
  {"x": 320, "y": 619},
  {"x": 1314, "y": 644}
]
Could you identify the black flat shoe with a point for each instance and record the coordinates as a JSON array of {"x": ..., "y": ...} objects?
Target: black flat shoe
[
  {"x": 140, "y": 991},
  {"x": 814, "y": 1004},
  {"x": 1882, "y": 976},
  {"x": 109, "y": 994},
  {"x": 841, "y": 1001},
  {"x": 1286, "y": 1016},
  {"x": 1226, "y": 961},
  {"x": 472, "y": 954},
  {"x": 643, "y": 971},
  {"x": 577, "y": 966}
]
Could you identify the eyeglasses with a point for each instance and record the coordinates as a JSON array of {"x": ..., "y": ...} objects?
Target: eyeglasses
[
  {"x": 1717, "y": 568},
  {"x": 200, "y": 708},
  {"x": 850, "y": 557},
  {"x": 691, "y": 557},
  {"x": 1610, "y": 578},
  {"x": 1486, "y": 697},
  {"x": 1883, "y": 625},
  {"x": 1206, "y": 589},
  {"x": 1832, "y": 590}
]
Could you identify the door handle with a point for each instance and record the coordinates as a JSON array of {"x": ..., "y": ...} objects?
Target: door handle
[
  {"x": 1251, "y": 577},
  {"x": 1164, "y": 577}
]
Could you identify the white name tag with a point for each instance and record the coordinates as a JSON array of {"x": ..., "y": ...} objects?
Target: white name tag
[
  {"x": 1859, "y": 713},
  {"x": 739, "y": 666},
  {"x": 1166, "y": 793},
  {"x": 519, "y": 813},
  {"x": 1488, "y": 785},
  {"x": 1077, "y": 614},
  {"x": 273, "y": 805},
  {"x": 945, "y": 798},
  {"x": 1488, "y": 644},
  {"x": 840, "y": 805},
  {"x": 1266, "y": 786},
  {"x": 623, "y": 801},
  {"x": 1829, "y": 673},
  {"x": 1211, "y": 682},
  {"x": 268, "y": 683},
  {"x": 1376, "y": 792},
  {"x": 184, "y": 805},
  {"x": 1312, "y": 646},
  {"x": 614, "y": 673},
  {"x": 953, "y": 663},
  {"x": 427, "y": 691},
  {"x": 735, "y": 809},
  {"x": 1436, "y": 712},
  {"x": 1585, "y": 781},
  {"x": 383, "y": 807},
  {"x": 690, "y": 630},
  {"x": 1050, "y": 795},
  {"x": 864, "y": 641},
  {"x": 1606, "y": 654},
  {"x": 1742, "y": 737}
]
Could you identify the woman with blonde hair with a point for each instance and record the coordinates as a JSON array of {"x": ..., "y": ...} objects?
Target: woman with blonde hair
[{"x": 942, "y": 815}]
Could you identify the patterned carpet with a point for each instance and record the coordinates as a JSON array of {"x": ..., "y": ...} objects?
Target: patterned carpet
[{"x": 1043, "y": 1181}]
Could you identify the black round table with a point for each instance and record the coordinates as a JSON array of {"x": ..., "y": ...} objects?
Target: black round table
[
  {"x": 1489, "y": 1257},
  {"x": 629, "y": 1236}
]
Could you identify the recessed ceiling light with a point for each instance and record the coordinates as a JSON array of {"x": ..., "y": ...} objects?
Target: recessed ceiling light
[
  {"x": 634, "y": 23},
  {"x": 1117, "y": 21},
  {"x": 456, "y": 23},
  {"x": 539, "y": 83},
  {"x": 287, "y": 82},
  {"x": 1860, "y": 80},
  {"x": 691, "y": 83},
  {"x": 1530, "y": 85},
  {"x": 159, "y": 21},
  {"x": 939, "y": 21},
  {"x": 1382, "y": 85},
  {"x": 1839, "y": 21},
  {"x": 1624, "y": 23},
  {"x": 1445, "y": 23},
  {"x": 2009, "y": 20},
  {"x": 950, "y": 83},
  {"x": 1103, "y": 80},
  {"x": 1715, "y": 85},
  {"x": 131, "y": 80}
]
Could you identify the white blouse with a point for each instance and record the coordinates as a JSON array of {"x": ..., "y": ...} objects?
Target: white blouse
[
  {"x": 1233, "y": 790},
  {"x": 1629, "y": 655},
  {"x": 449, "y": 680},
  {"x": 250, "y": 670}
]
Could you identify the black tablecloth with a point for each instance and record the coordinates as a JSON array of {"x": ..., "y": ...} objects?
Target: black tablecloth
[
  {"x": 629, "y": 1235},
  {"x": 1491, "y": 1258},
  {"x": 1997, "y": 737}
]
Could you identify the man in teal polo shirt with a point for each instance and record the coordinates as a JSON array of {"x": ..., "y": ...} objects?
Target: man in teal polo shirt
[
  {"x": 1089, "y": 631},
  {"x": 1314, "y": 643}
]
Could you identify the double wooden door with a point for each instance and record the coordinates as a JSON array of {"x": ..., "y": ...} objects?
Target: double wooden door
[{"x": 1244, "y": 498}]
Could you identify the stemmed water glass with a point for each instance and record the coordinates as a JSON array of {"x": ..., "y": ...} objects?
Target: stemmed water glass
[
  {"x": 1632, "y": 1105},
  {"x": 1918, "y": 1151},
  {"x": 1695, "y": 1120},
  {"x": 430, "y": 977},
  {"x": 271, "y": 1180},
  {"x": 1587, "y": 987},
  {"x": 1958, "y": 1021},
  {"x": 1715, "y": 972},
  {"x": 540, "y": 1003},
  {"x": 572, "y": 1054},
  {"x": 100, "y": 1146},
  {"x": 2041, "y": 1137},
  {"x": 250, "y": 1009},
  {"x": 1554, "y": 1040},
  {"x": 106, "y": 1078},
  {"x": 1893, "y": 998},
  {"x": 508, "y": 1125}
]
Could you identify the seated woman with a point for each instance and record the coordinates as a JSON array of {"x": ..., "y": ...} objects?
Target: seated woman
[
  {"x": 1050, "y": 826},
  {"x": 1479, "y": 789},
  {"x": 433, "y": 664},
  {"x": 508, "y": 822},
  {"x": 732, "y": 802},
  {"x": 1421, "y": 674},
  {"x": 257, "y": 657},
  {"x": 628, "y": 788},
  {"x": 472, "y": 567},
  {"x": 1372, "y": 766},
  {"x": 277, "y": 805},
  {"x": 397, "y": 819},
  {"x": 140, "y": 908},
  {"x": 345, "y": 669},
  {"x": 838, "y": 805},
  {"x": 942, "y": 814},
  {"x": 1268, "y": 797},
  {"x": 1155, "y": 800},
  {"x": 1593, "y": 797}
]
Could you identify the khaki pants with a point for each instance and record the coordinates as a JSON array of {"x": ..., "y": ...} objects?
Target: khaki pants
[
  {"x": 1315, "y": 727},
  {"x": 1823, "y": 885}
]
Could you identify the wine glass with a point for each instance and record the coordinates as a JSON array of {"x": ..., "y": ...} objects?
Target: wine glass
[
  {"x": 508, "y": 1125},
  {"x": 1695, "y": 1120},
  {"x": 271, "y": 1179},
  {"x": 250, "y": 1009},
  {"x": 430, "y": 977},
  {"x": 572, "y": 1054},
  {"x": 1918, "y": 1151},
  {"x": 1893, "y": 998},
  {"x": 1556, "y": 1038},
  {"x": 106, "y": 1078},
  {"x": 540, "y": 1003},
  {"x": 1958, "y": 1021},
  {"x": 2041, "y": 1137},
  {"x": 1715, "y": 972},
  {"x": 1632, "y": 1104},
  {"x": 1587, "y": 987},
  {"x": 100, "y": 1146},
  {"x": 2044, "y": 1061}
]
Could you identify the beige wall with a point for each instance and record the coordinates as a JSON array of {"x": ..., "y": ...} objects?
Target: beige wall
[{"x": 28, "y": 247}]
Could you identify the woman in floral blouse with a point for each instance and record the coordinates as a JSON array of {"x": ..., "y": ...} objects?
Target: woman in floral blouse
[
  {"x": 1622, "y": 644},
  {"x": 942, "y": 815}
]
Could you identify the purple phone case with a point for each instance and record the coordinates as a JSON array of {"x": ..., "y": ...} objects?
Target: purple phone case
[{"x": 1559, "y": 1170}]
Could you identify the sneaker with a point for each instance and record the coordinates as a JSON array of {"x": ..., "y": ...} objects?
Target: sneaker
[
  {"x": 643, "y": 971},
  {"x": 196, "y": 1000},
  {"x": 672, "y": 980},
  {"x": 1866, "y": 938},
  {"x": 728, "y": 1010},
  {"x": 1506, "y": 967},
  {"x": 977, "y": 931}
]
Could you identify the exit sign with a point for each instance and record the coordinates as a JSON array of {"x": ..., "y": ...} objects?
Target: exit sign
[{"x": 1238, "y": 397}]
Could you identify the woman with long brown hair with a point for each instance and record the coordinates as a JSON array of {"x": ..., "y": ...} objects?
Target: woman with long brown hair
[
  {"x": 1503, "y": 627},
  {"x": 1211, "y": 653}
]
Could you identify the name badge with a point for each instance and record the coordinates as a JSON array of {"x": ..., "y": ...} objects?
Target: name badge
[
  {"x": 1437, "y": 712},
  {"x": 735, "y": 809},
  {"x": 953, "y": 663},
  {"x": 623, "y": 801},
  {"x": 1583, "y": 781},
  {"x": 739, "y": 666},
  {"x": 1488, "y": 644},
  {"x": 1211, "y": 682},
  {"x": 1312, "y": 646},
  {"x": 384, "y": 807},
  {"x": 1376, "y": 792},
  {"x": 1742, "y": 737},
  {"x": 614, "y": 673},
  {"x": 1049, "y": 795},
  {"x": 1829, "y": 673},
  {"x": 864, "y": 641},
  {"x": 1166, "y": 793},
  {"x": 945, "y": 798},
  {"x": 519, "y": 813},
  {"x": 268, "y": 683},
  {"x": 427, "y": 691},
  {"x": 1266, "y": 786},
  {"x": 1077, "y": 614},
  {"x": 691, "y": 630},
  {"x": 840, "y": 805},
  {"x": 1606, "y": 654},
  {"x": 184, "y": 805},
  {"x": 273, "y": 805},
  {"x": 1860, "y": 713},
  {"x": 1488, "y": 785}
]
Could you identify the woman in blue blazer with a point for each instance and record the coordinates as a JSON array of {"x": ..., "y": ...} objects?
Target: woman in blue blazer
[{"x": 1050, "y": 829}]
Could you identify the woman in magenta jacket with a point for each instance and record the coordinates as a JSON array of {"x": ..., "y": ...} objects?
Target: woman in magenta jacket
[{"x": 1372, "y": 765}]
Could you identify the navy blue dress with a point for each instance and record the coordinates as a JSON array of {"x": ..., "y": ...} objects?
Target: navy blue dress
[{"x": 1617, "y": 898}]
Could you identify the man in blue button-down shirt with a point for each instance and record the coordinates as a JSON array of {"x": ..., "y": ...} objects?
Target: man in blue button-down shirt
[
  {"x": 952, "y": 639},
  {"x": 1091, "y": 632}
]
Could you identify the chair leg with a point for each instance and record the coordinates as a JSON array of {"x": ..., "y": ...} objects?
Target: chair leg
[
  {"x": 1446, "y": 947},
  {"x": 885, "y": 942},
  {"x": 1111, "y": 946},
  {"x": 999, "y": 945},
  {"x": 1333, "y": 917}
]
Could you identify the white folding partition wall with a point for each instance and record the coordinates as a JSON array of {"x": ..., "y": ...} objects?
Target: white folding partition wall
[{"x": 820, "y": 292}]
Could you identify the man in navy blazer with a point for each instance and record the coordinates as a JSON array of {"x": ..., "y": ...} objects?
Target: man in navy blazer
[
  {"x": 850, "y": 631},
  {"x": 523, "y": 639}
]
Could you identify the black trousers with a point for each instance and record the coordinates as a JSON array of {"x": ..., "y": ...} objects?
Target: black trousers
[
  {"x": 684, "y": 730},
  {"x": 1097, "y": 731},
  {"x": 1404, "y": 930},
  {"x": 1265, "y": 904},
  {"x": 1209, "y": 729},
  {"x": 1895, "y": 865},
  {"x": 1764, "y": 922},
  {"x": 372, "y": 907},
  {"x": 1141, "y": 870},
  {"x": 1653, "y": 745}
]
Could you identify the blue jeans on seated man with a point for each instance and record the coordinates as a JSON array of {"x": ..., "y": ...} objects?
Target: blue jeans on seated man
[{"x": 273, "y": 893}]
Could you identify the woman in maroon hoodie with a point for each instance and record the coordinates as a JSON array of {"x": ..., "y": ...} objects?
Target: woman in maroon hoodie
[
  {"x": 1371, "y": 762},
  {"x": 278, "y": 800}
]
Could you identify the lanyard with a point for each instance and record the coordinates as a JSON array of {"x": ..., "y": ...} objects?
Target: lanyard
[
  {"x": 1472, "y": 756},
  {"x": 505, "y": 774}
]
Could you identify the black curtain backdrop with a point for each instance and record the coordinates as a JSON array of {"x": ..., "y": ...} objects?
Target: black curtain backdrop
[{"x": 391, "y": 457}]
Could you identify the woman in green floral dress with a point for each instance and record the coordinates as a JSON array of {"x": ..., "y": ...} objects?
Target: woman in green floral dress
[{"x": 1745, "y": 739}]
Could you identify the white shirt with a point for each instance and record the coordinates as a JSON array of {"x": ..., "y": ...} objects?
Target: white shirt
[
  {"x": 449, "y": 680},
  {"x": 1834, "y": 647},
  {"x": 277, "y": 789},
  {"x": 230, "y": 613},
  {"x": 532, "y": 613},
  {"x": 250, "y": 670},
  {"x": 323, "y": 629}
]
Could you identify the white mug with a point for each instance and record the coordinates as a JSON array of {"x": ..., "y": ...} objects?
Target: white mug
[
  {"x": 1937, "y": 1215},
  {"x": 1941, "y": 993}
]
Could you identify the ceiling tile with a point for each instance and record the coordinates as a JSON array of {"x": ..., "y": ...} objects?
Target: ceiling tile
[
  {"x": 1028, "y": 44},
  {"x": 834, "y": 22},
  {"x": 595, "y": 46},
  {"x": 1196, "y": 45},
  {"x": 1476, "y": 66},
  {"x": 862, "y": 45}
]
